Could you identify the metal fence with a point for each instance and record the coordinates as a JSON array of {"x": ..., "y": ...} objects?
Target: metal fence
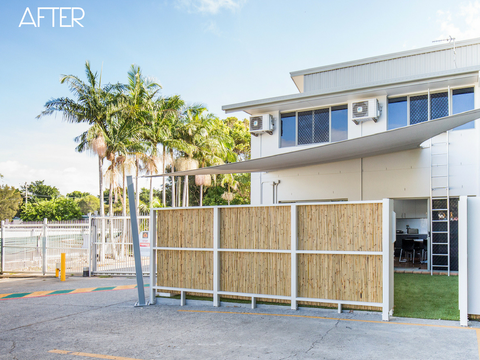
[
  {"x": 112, "y": 245},
  {"x": 36, "y": 247},
  {"x": 103, "y": 244}
]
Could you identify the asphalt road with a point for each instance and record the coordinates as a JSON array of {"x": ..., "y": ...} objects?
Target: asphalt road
[{"x": 106, "y": 325}]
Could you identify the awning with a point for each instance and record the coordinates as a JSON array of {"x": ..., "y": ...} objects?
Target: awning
[{"x": 405, "y": 138}]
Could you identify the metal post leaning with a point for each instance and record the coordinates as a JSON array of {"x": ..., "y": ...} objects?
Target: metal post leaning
[
  {"x": 153, "y": 259},
  {"x": 136, "y": 243},
  {"x": 2, "y": 244},
  {"x": 44, "y": 246}
]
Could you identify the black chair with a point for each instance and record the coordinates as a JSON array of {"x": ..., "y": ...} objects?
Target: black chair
[{"x": 408, "y": 246}]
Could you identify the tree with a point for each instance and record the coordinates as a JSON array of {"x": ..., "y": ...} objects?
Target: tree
[
  {"x": 54, "y": 210},
  {"x": 92, "y": 106},
  {"x": 37, "y": 190},
  {"x": 88, "y": 204},
  {"x": 77, "y": 194},
  {"x": 10, "y": 201}
]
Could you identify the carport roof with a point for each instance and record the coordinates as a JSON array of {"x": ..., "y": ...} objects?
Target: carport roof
[{"x": 405, "y": 138}]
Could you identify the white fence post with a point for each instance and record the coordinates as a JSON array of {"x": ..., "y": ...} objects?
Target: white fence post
[
  {"x": 216, "y": 257},
  {"x": 387, "y": 249},
  {"x": 2, "y": 244},
  {"x": 293, "y": 257},
  {"x": 152, "y": 227},
  {"x": 462, "y": 259},
  {"x": 44, "y": 246}
]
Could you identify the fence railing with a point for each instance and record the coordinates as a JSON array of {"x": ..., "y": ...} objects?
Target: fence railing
[
  {"x": 331, "y": 253},
  {"x": 36, "y": 247}
]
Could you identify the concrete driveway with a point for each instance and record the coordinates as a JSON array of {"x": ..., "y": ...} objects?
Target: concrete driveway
[{"x": 102, "y": 323}]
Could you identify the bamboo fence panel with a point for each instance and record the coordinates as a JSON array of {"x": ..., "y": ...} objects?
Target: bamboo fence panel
[
  {"x": 185, "y": 228},
  {"x": 257, "y": 273},
  {"x": 340, "y": 227},
  {"x": 185, "y": 269},
  {"x": 340, "y": 277},
  {"x": 255, "y": 228}
]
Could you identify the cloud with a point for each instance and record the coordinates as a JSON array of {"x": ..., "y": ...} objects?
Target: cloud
[
  {"x": 212, "y": 27},
  {"x": 210, "y": 6},
  {"x": 464, "y": 24}
]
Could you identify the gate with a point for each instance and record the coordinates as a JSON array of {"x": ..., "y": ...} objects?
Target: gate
[
  {"x": 36, "y": 247},
  {"x": 112, "y": 245}
]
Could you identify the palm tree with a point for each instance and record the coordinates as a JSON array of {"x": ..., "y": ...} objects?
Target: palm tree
[
  {"x": 209, "y": 142},
  {"x": 90, "y": 106},
  {"x": 140, "y": 95}
]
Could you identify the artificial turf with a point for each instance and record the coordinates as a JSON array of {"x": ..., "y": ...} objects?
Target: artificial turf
[{"x": 426, "y": 297}]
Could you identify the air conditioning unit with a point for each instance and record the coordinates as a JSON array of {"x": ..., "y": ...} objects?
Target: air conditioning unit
[
  {"x": 365, "y": 110},
  {"x": 261, "y": 124}
]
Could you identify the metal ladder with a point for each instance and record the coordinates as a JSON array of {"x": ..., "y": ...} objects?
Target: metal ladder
[{"x": 439, "y": 203}]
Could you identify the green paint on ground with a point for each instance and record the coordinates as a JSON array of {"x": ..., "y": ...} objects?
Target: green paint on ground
[
  {"x": 60, "y": 292},
  {"x": 105, "y": 288},
  {"x": 18, "y": 295}
]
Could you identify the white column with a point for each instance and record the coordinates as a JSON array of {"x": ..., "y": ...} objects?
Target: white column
[
  {"x": 462, "y": 260},
  {"x": 293, "y": 256},
  {"x": 216, "y": 256},
  {"x": 153, "y": 256},
  {"x": 2, "y": 268},
  {"x": 44, "y": 247},
  {"x": 387, "y": 250}
]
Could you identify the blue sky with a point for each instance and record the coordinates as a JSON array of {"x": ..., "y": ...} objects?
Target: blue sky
[{"x": 214, "y": 52}]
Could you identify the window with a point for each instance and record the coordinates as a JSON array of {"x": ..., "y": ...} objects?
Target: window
[
  {"x": 339, "y": 123},
  {"x": 438, "y": 105},
  {"x": 288, "y": 134},
  {"x": 415, "y": 109},
  {"x": 463, "y": 100},
  {"x": 397, "y": 112},
  {"x": 313, "y": 126},
  {"x": 418, "y": 109}
]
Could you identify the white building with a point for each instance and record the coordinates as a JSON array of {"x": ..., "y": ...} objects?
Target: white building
[
  {"x": 410, "y": 87},
  {"x": 401, "y": 126}
]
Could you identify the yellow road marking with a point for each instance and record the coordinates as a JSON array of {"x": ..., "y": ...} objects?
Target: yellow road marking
[
  {"x": 125, "y": 287},
  {"x": 97, "y": 356},
  {"x": 331, "y": 318},
  {"x": 84, "y": 290},
  {"x": 38, "y": 293}
]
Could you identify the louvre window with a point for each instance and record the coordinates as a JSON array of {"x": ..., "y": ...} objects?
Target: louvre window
[
  {"x": 339, "y": 123},
  {"x": 418, "y": 109}
]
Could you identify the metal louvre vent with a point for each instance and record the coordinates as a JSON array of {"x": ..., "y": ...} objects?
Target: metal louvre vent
[
  {"x": 360, "y": 109},
  {"x": 256, "y": 123}
]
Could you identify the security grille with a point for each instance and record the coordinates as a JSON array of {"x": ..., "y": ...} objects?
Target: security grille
[
  {"x": 321, "y": 122},
  {"x": 305, "y": 127},
  {"x": 256, "y": 123},
  {"x": 360, "y": 109},
  {"x": 438, "y": 105},
  {"x": 418, "y": 109}
]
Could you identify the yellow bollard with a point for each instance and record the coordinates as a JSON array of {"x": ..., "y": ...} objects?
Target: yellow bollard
[
  {"x": 62, "y": 267},
  {"x": 57, "y": 271}
]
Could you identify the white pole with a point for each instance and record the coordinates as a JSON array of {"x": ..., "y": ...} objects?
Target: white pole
[
  {"x": 2, "y": 268},
  {"x": 216, "y": 257},
  {"x": 293, "y": 257},
  {"x": 462, "y": 260},
  {"x": 44, "y": 247},
  {"x": 387, "y": 250},
  {"x": 152, "y": 226}
]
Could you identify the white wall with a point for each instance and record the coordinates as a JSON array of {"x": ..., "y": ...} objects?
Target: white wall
[
  {"x": 404, "y": 174},
  {"x": 473, "y": 256}
]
